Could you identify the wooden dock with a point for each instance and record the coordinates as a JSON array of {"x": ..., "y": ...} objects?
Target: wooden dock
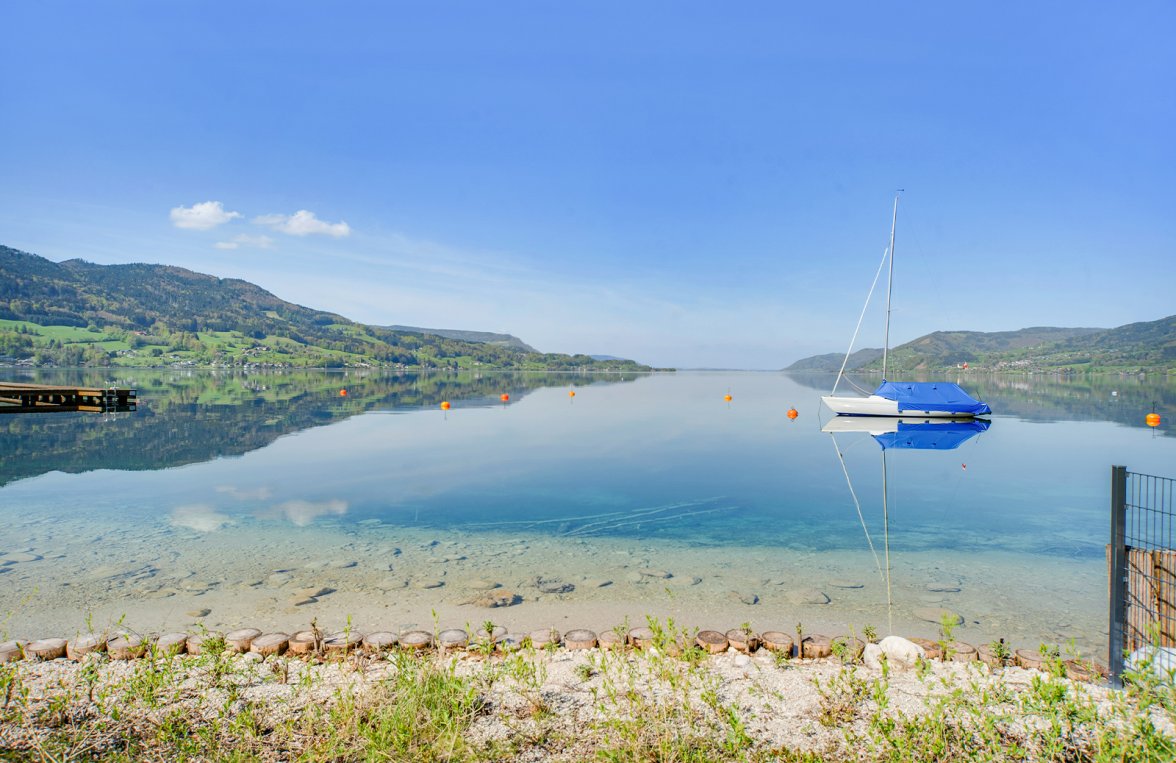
[{"x": 49, "y": 398}]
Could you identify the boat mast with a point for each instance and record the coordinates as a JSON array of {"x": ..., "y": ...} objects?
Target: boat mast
[
  {"x": 886, "y": 542},
  {"x": 890, "y": 285}
]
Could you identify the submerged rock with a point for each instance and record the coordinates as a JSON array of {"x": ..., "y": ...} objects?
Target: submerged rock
[
  {"x": 801, "y": 596},
  {"x": 314, "y": 592},
  {"x": 496, "y": 598},
  {"x": 938, "y": 614},
  {"x": 17, "y": 557},
  {"x": 553, "y": 585}
]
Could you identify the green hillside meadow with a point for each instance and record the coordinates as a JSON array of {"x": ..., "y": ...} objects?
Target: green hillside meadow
[{"x": 76, "y": 313}]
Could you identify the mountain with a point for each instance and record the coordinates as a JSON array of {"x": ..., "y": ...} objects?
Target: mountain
[
  {"x": 78, "y": 313},
  {"x": 951, "y": 348},
  {"x": 1149, "y": 345},
  {"x": 482, "y": 337},
  {"x": 832, "y": 361}
]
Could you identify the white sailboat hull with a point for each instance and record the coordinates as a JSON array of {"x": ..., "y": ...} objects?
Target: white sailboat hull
[{"x": 875, "y": 405}]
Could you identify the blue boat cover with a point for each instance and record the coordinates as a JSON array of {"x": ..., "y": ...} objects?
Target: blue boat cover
[
  {"x": 945, "y": 436},
  {"x": 932, "y": 396}
]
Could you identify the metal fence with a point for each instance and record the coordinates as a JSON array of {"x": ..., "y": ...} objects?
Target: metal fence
[{"x": 1142, "y": 564}]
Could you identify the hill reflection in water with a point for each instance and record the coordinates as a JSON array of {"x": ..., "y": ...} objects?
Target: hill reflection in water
[{"x": 192, "y": 416}]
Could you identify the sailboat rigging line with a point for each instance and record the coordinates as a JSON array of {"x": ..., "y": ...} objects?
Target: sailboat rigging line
[
  {"x": 642, "y": 520},
  {"x": 890, "y": 285},
  {"x": 849, "y": 381},
  {"x": 886, "y": 543},
  {"x": 643, "y": 513},
  {"x": 532, "y": 522},
  {"x": 857, "y": 504},
  {"x": 619, "y": 513},
  {"x": 885, "y": 254}
]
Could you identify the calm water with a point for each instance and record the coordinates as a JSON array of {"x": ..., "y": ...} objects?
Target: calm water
[{"x": 249, "y": 494}]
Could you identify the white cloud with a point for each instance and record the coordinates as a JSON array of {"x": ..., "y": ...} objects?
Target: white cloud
[
  {"x": 303, "y": 223},
  {"x": 203, "y": 216},
  {"x": 244, "y": 239}
]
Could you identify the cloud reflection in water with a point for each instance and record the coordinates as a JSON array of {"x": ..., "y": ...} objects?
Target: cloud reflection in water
[{"x": 301, "y": 513}]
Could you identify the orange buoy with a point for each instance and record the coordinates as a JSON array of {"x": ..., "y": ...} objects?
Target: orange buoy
[
  {"x": 571, "y": 393},
  {"x": 342, "y": 393},
  {"x": 505, "y": 398},
  {"x": 1153, "y": 419},
  {"x": 445, "y": 405},
  {"x": 727, "y": 397},
  {"x": 792, "y": 413}
]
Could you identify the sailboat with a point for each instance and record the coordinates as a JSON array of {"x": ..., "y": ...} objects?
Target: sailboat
[{"x": 903, "y": 398}]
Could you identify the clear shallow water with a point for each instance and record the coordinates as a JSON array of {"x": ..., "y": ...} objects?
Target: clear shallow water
[{"x": 245, "y": 494}]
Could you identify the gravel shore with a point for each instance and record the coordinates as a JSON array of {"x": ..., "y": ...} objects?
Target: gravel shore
[{"x": 539, "y": 704}]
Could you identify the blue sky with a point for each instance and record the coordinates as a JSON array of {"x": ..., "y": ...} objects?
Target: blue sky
[{"x": 682, "y": 183}]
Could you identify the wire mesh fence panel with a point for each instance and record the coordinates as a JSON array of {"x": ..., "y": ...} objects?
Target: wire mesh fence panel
[{"x": 1142, "y": 564}]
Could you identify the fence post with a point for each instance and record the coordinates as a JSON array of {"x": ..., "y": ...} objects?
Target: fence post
[{"x": 1118, "y": 572}]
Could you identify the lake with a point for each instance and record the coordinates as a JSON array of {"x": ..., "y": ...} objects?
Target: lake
[{"x": 269, "y": 498}]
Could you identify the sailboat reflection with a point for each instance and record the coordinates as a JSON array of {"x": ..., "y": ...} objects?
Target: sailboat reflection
[
  {"x": 898, "y": 434},
  {"x": 912, "y": 434}
]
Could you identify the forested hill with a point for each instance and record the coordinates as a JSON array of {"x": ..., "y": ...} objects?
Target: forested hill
[
  {"x": 486, "y": 337},
  {"x": 79, "y": 313},
  {"x": 1149, "y": 345},
  {"x": 832, "y": 361}
]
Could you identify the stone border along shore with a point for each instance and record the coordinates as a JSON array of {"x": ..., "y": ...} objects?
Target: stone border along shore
[{"x": 122, "y": 644}]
